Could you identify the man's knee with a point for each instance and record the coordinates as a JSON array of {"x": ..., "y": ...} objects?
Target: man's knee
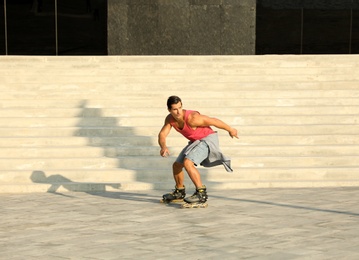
[
  {"x": 187, "y": 163},
  {"x": 177, "y": 167}
]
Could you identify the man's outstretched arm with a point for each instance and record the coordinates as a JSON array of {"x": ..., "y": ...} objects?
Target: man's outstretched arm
[{"x": 198, "y": 120}]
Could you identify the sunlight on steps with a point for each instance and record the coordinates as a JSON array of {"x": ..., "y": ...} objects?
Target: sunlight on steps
[{"x": 91, "y": 123}]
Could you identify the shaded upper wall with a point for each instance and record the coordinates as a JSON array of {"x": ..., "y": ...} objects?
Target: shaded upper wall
[
  {"x": 181, "y": 27},
  {"x": 307, "y": 27},
  {"x": 310, "y": 4}
]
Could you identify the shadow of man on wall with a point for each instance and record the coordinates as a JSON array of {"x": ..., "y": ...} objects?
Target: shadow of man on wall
[{"x": 58, "y": 182}]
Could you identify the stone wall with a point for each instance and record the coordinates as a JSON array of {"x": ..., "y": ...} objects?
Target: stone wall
[{"x": 181, "y": 27}]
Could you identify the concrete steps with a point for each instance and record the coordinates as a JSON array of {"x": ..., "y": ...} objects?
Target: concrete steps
[
  {"x": 91, "y": 123},
  {"x": 133, "y": 112},
  {"x": 81, "y": 151},
  {"x": 146, "y": 175},
  {"x": 119, "y": 102},
  {"x": 144, "y": 162},
  {"x": 302, "y": 125}
]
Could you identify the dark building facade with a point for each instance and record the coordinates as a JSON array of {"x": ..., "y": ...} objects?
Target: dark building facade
[
  {"x": 181, "y": 27},
  {"x": 178, "y": 27},
  {"x": 307, "y": 27},
  {"x": 53, "y": 27}
]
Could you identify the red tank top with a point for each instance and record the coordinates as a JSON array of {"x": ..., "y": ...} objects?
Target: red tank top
[{"x": 189, "y": 133}]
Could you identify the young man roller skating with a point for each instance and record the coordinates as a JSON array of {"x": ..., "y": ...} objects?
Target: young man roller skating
[{"x": 202, "y": 149}]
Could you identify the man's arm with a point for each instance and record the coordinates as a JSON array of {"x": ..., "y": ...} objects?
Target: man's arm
[
  {"x": 162, "y": 135},
  {"x": 198, "y": 120}
]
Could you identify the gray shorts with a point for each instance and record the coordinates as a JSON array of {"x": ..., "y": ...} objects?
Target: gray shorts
[{"x": 197, "y": 154}]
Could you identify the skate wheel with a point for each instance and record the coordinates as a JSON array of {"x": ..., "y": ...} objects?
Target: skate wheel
[
  {"x": 194, "y": 205},
  {"x": 171, "y": 201}
]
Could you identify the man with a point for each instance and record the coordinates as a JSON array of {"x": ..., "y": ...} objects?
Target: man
[{"x": 203, "y": 148}]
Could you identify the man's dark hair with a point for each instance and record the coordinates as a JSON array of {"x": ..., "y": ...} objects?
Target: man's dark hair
[{"x": 173, "y": 100}]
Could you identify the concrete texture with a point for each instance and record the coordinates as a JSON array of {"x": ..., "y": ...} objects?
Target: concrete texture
[
  {"x": 181, "y": 27},
  {"x": 238, "y": 224}
]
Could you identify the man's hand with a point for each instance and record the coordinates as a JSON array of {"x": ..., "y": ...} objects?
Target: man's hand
[
  {"x": 164, "y": 152},
  {"x": 233, "y": 133}
]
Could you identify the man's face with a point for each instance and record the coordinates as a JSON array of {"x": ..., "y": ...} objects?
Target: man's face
[{"x": 176, "y": 110}]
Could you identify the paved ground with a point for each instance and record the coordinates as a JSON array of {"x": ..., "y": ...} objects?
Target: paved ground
[{"x": 238, "y": 224}]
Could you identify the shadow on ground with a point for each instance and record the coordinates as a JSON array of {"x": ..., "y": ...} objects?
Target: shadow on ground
[
  {"x": 285, "y": 205},
  {"x": 57, "y": 181}
]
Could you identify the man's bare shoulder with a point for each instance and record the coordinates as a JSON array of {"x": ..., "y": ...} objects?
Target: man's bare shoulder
[
  {"x": 195, "y": 119},
  {"x": 193, "y": 114},
  {"x": 169, "y": 119},
  {"x": 196, "y": 114}
]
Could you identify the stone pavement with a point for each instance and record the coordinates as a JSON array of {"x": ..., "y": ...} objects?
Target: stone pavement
[{"x": 321, "y": 223}]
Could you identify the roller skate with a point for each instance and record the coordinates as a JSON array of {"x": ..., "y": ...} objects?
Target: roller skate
[
  {"x": 176, "y": 196},
  {"x": 197, "y": 200}
]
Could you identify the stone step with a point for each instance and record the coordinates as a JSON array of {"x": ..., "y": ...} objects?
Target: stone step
[
  {"x": 215, "y": 111},
  {"x": 145, "y": 162},
  {"x": 163, "y": 60},
  {"x": 68, "y": 185},
  {"x": 282, "y": 184},
  {"x": 200, "y": 74},
  {"x": 44, "y": 87},
  {"x": 133, "y": 186},
  {"x": 79, "y": 187},
  {"x": 132, "y": 122},
  {"x": 116, "y": 151},
  {"x": 189, "y": 102},
  {"x": 244, "y": 84},
  {"x": 209, "y": 175},
  {"x": 161, "y": 95},
  {"x": 165, "y": 63},
  {"x": 67, "y": 176},
  {"x": 152, "y": 131},
  {"x": 244, "y": 140},
  {"x": 177, "y": 62}
]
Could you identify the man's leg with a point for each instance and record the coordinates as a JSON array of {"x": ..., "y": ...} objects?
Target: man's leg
[
  {"x": 179, "y": 192},
  {"x": 193, "y": 173},
  {"x": 193, "y": 158},
  {"x": 200, "y": 196},
  {"x": 178, "y": 174}
]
